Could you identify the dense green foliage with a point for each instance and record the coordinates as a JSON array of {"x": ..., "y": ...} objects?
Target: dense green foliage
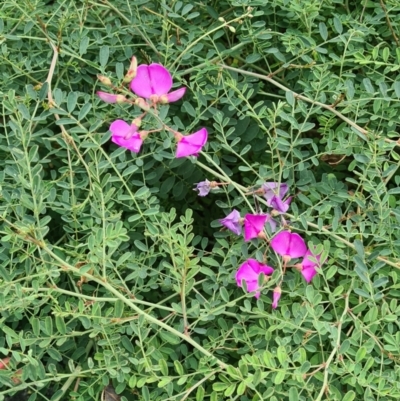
[{"x": 114, "y": 271}]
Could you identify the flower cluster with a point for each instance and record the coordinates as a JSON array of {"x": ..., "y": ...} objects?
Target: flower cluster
[
  {"x": 152, "y": 85},
  {"x": 285, "y": 243}
]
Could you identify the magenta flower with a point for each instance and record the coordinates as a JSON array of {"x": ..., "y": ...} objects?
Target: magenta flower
[
  {"x": 154, "y": 82},
  {"x": 191, "y": 145},
  {"x": 309, "y": 264},
  {"x": 249, "y": 272},
  {"x": 110, "y": 97},
  {"x": 276, "y": 295},
  {"x": 289, "y": 245},
  {"x": 254, "y": 225},
  {"x": 126, "y": 135},
  {"x": 232, "y": 222}
]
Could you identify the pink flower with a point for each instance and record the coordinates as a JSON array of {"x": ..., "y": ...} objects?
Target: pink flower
[
  {"x": 249, "y": 272},
  {"x": 110, "y": 97},
  {"x": 309, "y": 264},
  {"x": 276, "y": 295},
  {"x": 154, "y": 82},
  {"x": 254, "y": 226},
  {"x": 126, "y": 135},
  {"x": 289, "y": 245},
  {"x": 232, "y": 222},
  {"x": 191, "y": 145}
]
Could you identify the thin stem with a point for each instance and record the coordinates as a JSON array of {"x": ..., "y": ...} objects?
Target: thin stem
[
  {"x": 298, "y": 96},
  {"x": 396, "y": 39},
  {"x": 223, "y": 25},
  {"x": 324, "y": 387},
  {"x": 66, "y": 266},
  {"x": 191, "y": 389}
]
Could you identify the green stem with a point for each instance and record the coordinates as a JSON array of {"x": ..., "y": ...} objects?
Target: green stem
[{"x": 111, "y": 289}]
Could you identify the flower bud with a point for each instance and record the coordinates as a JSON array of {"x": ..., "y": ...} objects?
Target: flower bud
[
  {"x": 232, "y": 29},
  {"x": 137, "y": 122},
  {"x": 143, "y": 134},
  {"x": 140, "y": 102},
  {"x": 110, "y": 97},
  {"x": 221, "y": 19},
  {"x": 131, "y": 71},
  {"x": 104, "y": 80}
]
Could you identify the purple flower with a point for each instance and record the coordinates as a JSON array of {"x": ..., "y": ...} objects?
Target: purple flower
[
  {"x": 110, "y": 97},
  {"x": 254, "y": 225},
  {"x": 232, "y": 222},
  {"x": 274, "y": 193},
  {"x": 309, "y": 264},
  {"x": 154, "y": 82},
  {"x": 272, "y": 189},
  {"x": 204, "y": 187},
  {"x": 289, "y": 245},
  {"x": 191, "y": 145},
  {"x": 126, "y": 135},
  {"x": 279, "y": 205},
  {"x": 276, "y": 295},
  {"x": 249, "y": 272}
]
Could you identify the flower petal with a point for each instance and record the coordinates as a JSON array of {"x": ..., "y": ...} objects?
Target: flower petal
[
  {"x": 275, "y": 297},
  {"x": 309, "y": 266},
  {"x": 173, "y": 96},
  {"x": 192, "y": 144},
  {"x": 271, "y": 222},
  {"x": 232, "y": 222},
  {"x": 160, "y": 78},
  {"x": 280, "y": 243},
  {"x": 203, "y": 187},
  {"x": 141, "y": 84},
  {"x": 272, "y": 189},
  {"x": 110, "y": 97},
  {"x": 298, "y": 247},
  {"x": 259, "y": 267},
  {"x": 279, "y": 205},
  {"x": 308, "y": 273},
  {"x": 121, "y": 128},
  {"x": 153, "y": 79},
  {"x": 246, "y": 272},
  {"x": 253, "y": 225},
  {"x": 133, "y": 143},
  {"x": 249, "y": 272}
]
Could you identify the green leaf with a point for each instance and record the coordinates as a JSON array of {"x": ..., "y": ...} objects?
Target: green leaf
[
  {"x": 279, "y": 377},
  {"x": 140, "y": 245},
  {"x": 360, "y": 355},
  {"x": 84, "y": 111},
  {"x": 338, "y": 25},
  {"x": 104, "y": 55},
  {"x": 349, "y": 396},
  {"x": 200, "y": 393},
  {"x": 71, "y": 101},
  {"x": 323, "y": 31},
  {"x": 163, "y": 367}
]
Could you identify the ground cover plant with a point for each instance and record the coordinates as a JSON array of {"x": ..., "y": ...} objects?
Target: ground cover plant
[{"x": 199, "y": 200}]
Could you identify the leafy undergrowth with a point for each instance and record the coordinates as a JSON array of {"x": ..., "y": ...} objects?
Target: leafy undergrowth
[{"x": 118, "y": 281}]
